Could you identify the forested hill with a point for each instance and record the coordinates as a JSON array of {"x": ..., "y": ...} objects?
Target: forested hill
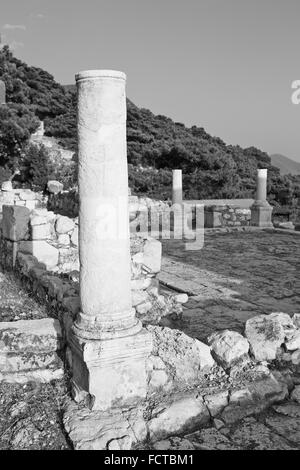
[{"x": 156, "y": 144}]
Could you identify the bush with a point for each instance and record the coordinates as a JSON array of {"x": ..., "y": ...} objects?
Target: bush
[{"x": 37, "y": 168}]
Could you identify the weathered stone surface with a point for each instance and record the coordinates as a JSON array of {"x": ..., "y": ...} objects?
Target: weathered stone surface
[
  {"x": 35, "y": 375},
  {"x": 173, "y": 443},
  {"x": 152, "y": 255},
  {"x": 38, "y": 220},
  {"x": 228, "y": 347},
  {"x": 15, "y": 222},
  {"x": 23, "y": 362},
  {"x": 252, "y": 435},
  {"x": 41, "y": 232},
  {"x": 253, "y": 398},
  {"x": 295, "y": 395},
  {"x": 94, "y": 430},
  {"x": 122, "y": 443},
  {"x": 6, "y": 185},
  {"x": 159, "y": 379},
  {"x": 183, "y": 413},
  {"x": 285, "y": 426},
  {"x": 186, "y": 359},
  {"x": 210, "y": 439},
  {"x": 286, "y": 225},
  {"x": 294, "y": 342},
  {"x": 63, "y": 239},
  {"x": 216, "y": 402},
  {"x": 266, "y": 333},
  {"x": 30, "y": 336},
  {"x": 138, "y": 297},
  {"x": 290, "y": 409},
  {"x": 64, "y": 224},
  {"x": 54, "y": 187},
  {"x": 181, "y": 298},
  {"x": 42, "y": 251},
  {"x": 74, "y": 236},
  {"x": 27, "y": 195},
  {"x": 296, "y": 320},
  {"x": 296, "y": 357}
]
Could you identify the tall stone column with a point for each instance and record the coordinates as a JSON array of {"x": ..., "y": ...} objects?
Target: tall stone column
[
  {"x": 108, "y": 343},
  {"x": 261, "y": 210},
  {"x": 176, "y": 186}
]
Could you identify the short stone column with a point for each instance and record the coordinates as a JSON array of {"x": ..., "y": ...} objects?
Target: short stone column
[
  {"x": 108, "y": 343},
  {"x": 176, "y": 186},
  {"x": 261, "y": 210}
]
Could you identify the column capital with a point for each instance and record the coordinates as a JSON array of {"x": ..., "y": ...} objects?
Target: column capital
[{"x": 95, "y": 74}]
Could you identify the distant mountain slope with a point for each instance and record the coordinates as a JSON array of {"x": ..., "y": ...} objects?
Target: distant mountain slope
[
  {"x": 155, "y": 143},
  {"x": 286, "y": 165}
]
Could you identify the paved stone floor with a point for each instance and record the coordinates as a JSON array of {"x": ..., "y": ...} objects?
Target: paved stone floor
[
  {"x": 276, "y": 429},
  {"x": 235, "y": 276}
]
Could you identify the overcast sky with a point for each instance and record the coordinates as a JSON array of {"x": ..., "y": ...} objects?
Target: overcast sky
[{"x": 226, "y": 65}]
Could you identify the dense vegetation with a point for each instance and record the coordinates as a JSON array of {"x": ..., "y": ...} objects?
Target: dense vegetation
[{"x": 156, "y": 144}]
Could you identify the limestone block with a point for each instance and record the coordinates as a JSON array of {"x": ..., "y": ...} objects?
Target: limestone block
[
  {"x": 43, "y": 252},
  {"x": 186, "y": 359},
  {"x": 20, "y": 203},
  {"x": 17, "y": 362},
  {"x": 138, "y": 297},
  {"x": 228, "y": 347},
  {"x": 216, "y": 402},
  {"x": 64, "y": 224},
  {"x": 15, "y": 222},
  {"x": 63, "y": 239},
  {"x": 295, "y": 395},
  {"x": 94, "y": 430},
  {"x": 296, "y": 320},
  {"x": 113, "y": 379},
  {"x": 6, "y": 186},
  {"x": 158, "y": 378},
  {"x": 54, "y": 187},
  {"x": 36, "y": 375},
  {"x": 41, "y": 232},
  {"x": 31, "y": 204},
  {"x": 152, "y": 255},
  {"x": 293, "y": 343},
  {"x": 266, "y": 333},
  {"x": 143, "y": 308},
  {"x": 38, "y": 220},
  {"x": 74, "y": 236},
  {"x": 30, "y": 336},
  {"x": 183, "y": 413},
  {"x": 286, "y": 225},
  {"x": 44, "y": 213},
  {"x": 181, "y": 298},
  {"x": 27, "y": 195},
  {"x": 261, "y": 214}
]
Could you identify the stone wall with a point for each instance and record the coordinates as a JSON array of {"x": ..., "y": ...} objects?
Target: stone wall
[
  {"x": 20, "y": 197},
  {"x": 226, "y": 216},
  {"x": 49, "y": 242}
]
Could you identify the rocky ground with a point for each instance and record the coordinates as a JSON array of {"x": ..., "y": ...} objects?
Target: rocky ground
[
  {"x": 30, "y": 414},
  {"x": 277, "y": 429},
  {"x": 16, "y": 303},
  {"x": 236, "y": 276}
]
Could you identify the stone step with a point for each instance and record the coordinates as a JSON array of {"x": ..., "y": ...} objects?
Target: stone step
[{"x": 30, "y": 351}]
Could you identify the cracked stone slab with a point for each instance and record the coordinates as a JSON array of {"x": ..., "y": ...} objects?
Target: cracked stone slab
[{"x": 252, "y": 435}]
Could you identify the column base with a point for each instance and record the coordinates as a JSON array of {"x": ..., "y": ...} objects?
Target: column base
[
  {"x": 261, "y": 214},
  {"x": 110, "y": 372}
]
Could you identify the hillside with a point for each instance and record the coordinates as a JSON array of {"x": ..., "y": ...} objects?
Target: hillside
[
  {"x": 286, "y": 165},
  {"x": 156, "y": 144}
]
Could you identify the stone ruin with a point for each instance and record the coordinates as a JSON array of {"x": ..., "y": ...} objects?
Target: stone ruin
[{"x": 133, "y": 381}]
